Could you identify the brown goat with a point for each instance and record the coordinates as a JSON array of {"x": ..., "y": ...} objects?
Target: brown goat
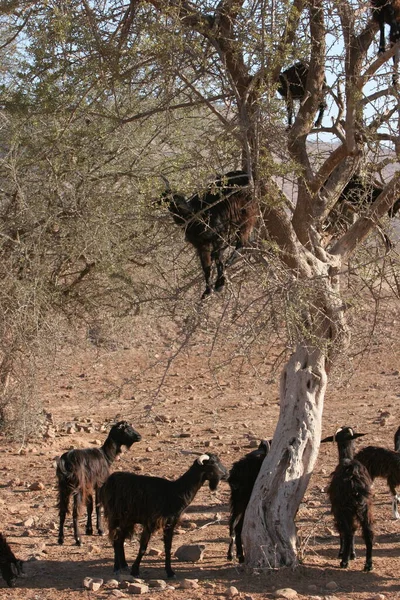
[
  {"x": 81, "y": 473},
  {"x": 225, "y": 214}
]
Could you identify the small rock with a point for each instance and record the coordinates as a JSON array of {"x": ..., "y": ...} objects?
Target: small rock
[
  {"x": 157, "y": 583},
  {"x": 86, "y": 582},
  {"x": 232, "y": 592},
  {"x": 154, "y": 552},
  {"x": 36, "y": 486},
  {"x": 207, "y": 585},
  {"x": 138, "y": 588},
  {"x": 112, "y": 584},
  {"x": 125, "y": 579},
  {"x": 95, "y": 584},
  {"x": 29, "y": 522},
  {"x": 248, "y": 597},
  {"x": 189, "y": 584},
  {"x": 190, "y": 552},
  {"x": 287, "y": 593},
  {"x": 118, "y": 594},
  {"x": 332, "y": 586},
  {"x": 312, "y": 587}
]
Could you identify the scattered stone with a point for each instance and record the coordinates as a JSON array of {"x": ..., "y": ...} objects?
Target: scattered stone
[
  {"x": 312, "y": 587},
  {"x": 287, "y": 593},
  {"x": 36, "y": 486},
  {"x": 190, "y": 552},
  {"x": 30, "y": 521},
  {"x": 248, "y": 597},
  {"x": 253, "y": 444},
  {"x": 154, "y": 552},
  {"x": 86, "y": 582},
  {"x": 95, "y": 584},
  {"x": 118, "y": 594},
  {"x": 112, "y": 584},
  {"x": 138, "y": 588},
  {"x": 189, "y": 584},
  {"x": 208, "y": 585},
  {"x": 232, "y": 591},
  {"x": 125, "y": 579},
  {"x": 157, "y": 583},
  {"x": 331, "y": 585}
]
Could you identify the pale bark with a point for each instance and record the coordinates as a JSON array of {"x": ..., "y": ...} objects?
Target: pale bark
[{"x": 269, "y": 533}]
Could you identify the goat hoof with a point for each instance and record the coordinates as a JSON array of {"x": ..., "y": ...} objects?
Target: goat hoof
[
  {"x": 100, "y": 531},
  {"x": 368, "y": 567},
  {"x": 353, "y": 556},
  {"x": 229, "y": 557},
  {"x": 89, "y": 531},
  {"x": 171, "y": 575},
  {"x": 60, "y": 541},
  {"x": 78, "y": 543},
  {"x": 344, "y": 564}
]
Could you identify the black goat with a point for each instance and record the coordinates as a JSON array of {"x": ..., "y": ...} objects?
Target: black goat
[
  {"x": 155, "y": 503},
  {"x": 226, "y": 213},
  {"x": 292, "y": 86},
  {"x": 242, "y": 478},
  {"x": 382, "y": 462},
  {"x": 81, "y": 473},
  {"x": 351, "y": 497},
  {"x": 10, "y": 566},
  {"x": 397, "y": 440},
  {"x": 387, "y": 11},
  {"x": 357, "y": 195}
]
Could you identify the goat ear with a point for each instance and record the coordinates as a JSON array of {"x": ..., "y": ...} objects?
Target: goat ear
[
  {"x": 203, "y": 458},
  {"x": 330, "y": 438},
  {"x": 356, "y": 435}
]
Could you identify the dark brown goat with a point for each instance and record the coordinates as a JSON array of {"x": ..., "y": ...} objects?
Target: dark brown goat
[
  {"x": 397, "y": 440},
  {"x": 155, "y": 503},
  {"x": 292, "y": 86},
  {"x": 351, "y": 498},
  {"x": 10, "y": 566},
  {"x": 81, "y": 473},
  {"x": 387, "y": 12},
  {"x": 385, "y": 463},
  {"x": 356, "y": 196},
  {"x": 225, "y": 214},
  {"x": 242, "y": 478}
]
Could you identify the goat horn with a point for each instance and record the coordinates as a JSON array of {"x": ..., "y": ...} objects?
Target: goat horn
[
  {"x": 167, "y": 183},
  {"x": 202, "y": 458}
]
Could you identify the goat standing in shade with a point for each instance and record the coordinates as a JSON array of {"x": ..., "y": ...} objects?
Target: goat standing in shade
[
  {"x": 155, "y": 503},
  {"x": 292, "y": 86},
  {"x": 225, "y": 214},
  {"x": 351, "y": 497},
  {"x": 242, "y": 478},
  {"x": 81, "y": 473},
  {"x": 10, "y": 566},
  {"x": 383, "y": 462},
  {"x": 388, "y": 11}
]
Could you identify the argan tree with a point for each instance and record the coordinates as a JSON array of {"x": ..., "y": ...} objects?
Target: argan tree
[{"x": 130, "y": 62}]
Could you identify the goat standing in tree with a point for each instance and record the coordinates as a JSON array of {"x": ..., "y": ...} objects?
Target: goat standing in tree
[
  {"x": 388, "y": 11},
  {"x": 292, "y": 86},
  {"x": 225, "y": 214}
]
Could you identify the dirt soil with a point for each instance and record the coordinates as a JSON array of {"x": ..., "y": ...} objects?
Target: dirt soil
[{"x": 90, "y": 386}]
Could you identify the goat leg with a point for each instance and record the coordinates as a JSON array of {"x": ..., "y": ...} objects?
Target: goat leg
[
  {"x": 99, "y": 522},
  {"x": 368, "y": 536},
  {"x": 395, "y": 506},
  {"x": 119, "y": 553},
  {"x": 75, "y": 513},
  {"x": 239, "y": 545},
  {"x": 144, "y": 540},
  {"x": 168, "y": 534},
  {"x": 89, "y": 509}
]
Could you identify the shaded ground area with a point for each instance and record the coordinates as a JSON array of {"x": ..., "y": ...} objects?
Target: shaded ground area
[{"x": 195, "y": 409}]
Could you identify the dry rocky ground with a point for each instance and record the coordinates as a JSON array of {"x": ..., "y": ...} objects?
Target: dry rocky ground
[{"x": 195, "y": 410}]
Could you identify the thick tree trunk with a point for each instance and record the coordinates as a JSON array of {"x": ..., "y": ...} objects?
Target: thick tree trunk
[{"x": 269, "y": 533}]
